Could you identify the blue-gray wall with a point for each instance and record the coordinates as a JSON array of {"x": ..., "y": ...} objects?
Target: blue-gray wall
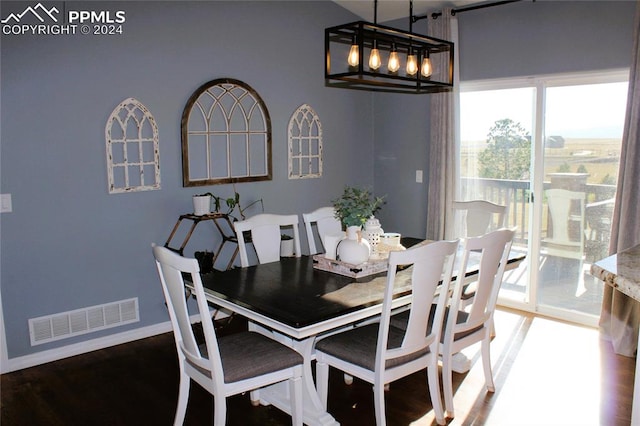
[
  {"x": 545, "y": 37},
  {"x": 68, "y": 244},
  {"x": 513, "y": 40},
  {"x": 401, "y": 147}
]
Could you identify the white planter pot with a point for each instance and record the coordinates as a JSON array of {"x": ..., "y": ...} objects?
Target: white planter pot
[
  {"x": 286, "y": 248},
  {"x": 354, "y": 249},
  {"x": 330, "y": 243},
  {"x": 201, "y": 204}
]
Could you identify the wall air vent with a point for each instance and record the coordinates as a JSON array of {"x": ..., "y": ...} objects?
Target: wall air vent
[{"x": 81, "y": 321}]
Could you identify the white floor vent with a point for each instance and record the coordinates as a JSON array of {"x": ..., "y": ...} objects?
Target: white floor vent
[{"x": 81, "y": 321}]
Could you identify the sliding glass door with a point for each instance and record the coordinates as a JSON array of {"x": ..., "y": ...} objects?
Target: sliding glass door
[
  {"x": 583, "y": 131},
  {"x": 496, "y": 133},
  {"x": 548, "y": 148}
]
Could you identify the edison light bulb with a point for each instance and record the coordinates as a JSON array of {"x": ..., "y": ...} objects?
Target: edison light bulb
[
  {"x": 412, "y": 64},
  {"x": 374, "y": 58},
  {"x": 394, "y": 61},
  {"x": 354, "y": 56},
  {"x": 426, "y": 69}
]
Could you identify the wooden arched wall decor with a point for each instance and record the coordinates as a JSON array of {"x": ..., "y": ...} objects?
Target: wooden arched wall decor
[
  {"x": 305, "y": 144},
  {"x": 133, "y": 157},
  {"x": 226, "y": 135}
]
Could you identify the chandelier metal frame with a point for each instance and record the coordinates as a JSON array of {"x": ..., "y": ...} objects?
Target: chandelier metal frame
[{"x": 367, "y": 36}]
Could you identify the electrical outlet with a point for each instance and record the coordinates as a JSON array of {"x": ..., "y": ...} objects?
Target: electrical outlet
[
  {"x": 419, "y": 176},
  {"x": 5, "y": 203}
]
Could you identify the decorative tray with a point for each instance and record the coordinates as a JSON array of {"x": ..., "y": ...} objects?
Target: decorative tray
[{"x": 377, "y": 263}]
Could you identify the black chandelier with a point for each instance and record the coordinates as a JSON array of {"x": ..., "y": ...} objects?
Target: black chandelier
[{"x": 355, "y": 56}]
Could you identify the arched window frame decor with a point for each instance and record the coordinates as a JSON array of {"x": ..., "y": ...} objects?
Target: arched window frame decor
[
  {"x": 133, "y": 156},
  {"x": 234, "y": 122},
  {"x": 305, "y": 144}
]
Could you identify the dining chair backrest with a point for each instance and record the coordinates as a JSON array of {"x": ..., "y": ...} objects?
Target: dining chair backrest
[
  {"x": 566, "y": 208},
  {"x": 493, "y": 250},
  {"x": 326, "y": 222},
  {"x": 380, "y": 353},
  {"x": 171, "y": 268},
  {"x": 217, "y": 365},
  {"x": 477, "y": 217},
  {"x": 432, "y": 268},
  {"x": 266, "y": 235},
  {"x": 472, "y": 322}
]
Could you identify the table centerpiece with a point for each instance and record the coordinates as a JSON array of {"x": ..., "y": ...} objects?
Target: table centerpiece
[{"x": 353, "y": 208}]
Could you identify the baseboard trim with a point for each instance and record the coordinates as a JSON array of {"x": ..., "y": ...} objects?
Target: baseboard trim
[
  {"x": 56, "y": 354},
  {"x": 32, "y": 360}
]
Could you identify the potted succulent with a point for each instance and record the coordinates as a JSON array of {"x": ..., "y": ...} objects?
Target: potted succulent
[{"x": 353, "y": 208}]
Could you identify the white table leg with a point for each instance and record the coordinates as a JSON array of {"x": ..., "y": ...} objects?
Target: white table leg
[
  {"x": 278, "y": 394},
  {"x": 635, "y": 407}
]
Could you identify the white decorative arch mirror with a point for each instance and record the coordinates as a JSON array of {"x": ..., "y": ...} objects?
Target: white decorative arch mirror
[
  {"x": 305, "y": 144},
  {"x": 226, "y": 135},
  {"x": 133, "y": 157}
]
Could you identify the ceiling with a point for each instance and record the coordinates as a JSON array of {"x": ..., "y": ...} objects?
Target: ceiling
[{"x": 396, "y": 9}]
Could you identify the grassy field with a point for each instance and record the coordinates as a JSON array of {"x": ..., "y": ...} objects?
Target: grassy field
[
  {"x": 600, "y": 157},
  {"x": 597, "y": 157}
]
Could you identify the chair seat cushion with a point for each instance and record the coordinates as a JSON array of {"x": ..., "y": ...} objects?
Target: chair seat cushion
[
  {"x": 358, "y": 346},
  {"x": 400, "y": 321},
  {"x": 245, "y": 355}
]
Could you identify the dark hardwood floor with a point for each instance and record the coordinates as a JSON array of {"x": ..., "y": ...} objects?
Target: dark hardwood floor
[{"x": 546, "y": 373}]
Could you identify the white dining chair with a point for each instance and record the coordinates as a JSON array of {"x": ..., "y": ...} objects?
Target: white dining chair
[
  {"x": 566, "y": 230},
  {"x": 266, "y": 233},
  {"x": 380, "y": 353},
  {"x": 477, "y": 217},
  {"x": 326, "y": 223},
  {"x": 473, "y": 219},
  {"x": 562, "y": 242},
  {"x": 474, "y": 323},
  {"x": 224, "y": 366}
]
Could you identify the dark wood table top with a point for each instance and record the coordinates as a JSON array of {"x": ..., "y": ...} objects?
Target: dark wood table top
[
  {"x": 297, "y": 295},
  {"x": 290, "y": 291}
]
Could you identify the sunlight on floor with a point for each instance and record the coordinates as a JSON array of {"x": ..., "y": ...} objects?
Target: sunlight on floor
[
  {"x": 545, "y": 355},
  {"x": 551, "y": 355}
]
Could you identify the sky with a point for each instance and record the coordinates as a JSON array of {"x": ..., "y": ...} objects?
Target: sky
[{"x": 583, "y": 111}]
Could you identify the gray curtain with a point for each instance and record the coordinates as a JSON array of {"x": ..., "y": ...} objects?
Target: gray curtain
[
  {"x": 443, "y": 144},
  {"x": 620, "y": 316}
]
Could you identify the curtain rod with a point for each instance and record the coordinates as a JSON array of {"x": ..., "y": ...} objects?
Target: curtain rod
[{"x": 435, "y": 15}]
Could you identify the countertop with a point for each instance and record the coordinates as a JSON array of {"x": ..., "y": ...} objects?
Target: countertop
[{"x": 621, "y": 271}]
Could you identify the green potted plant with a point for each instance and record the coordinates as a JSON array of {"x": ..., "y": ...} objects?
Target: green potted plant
[
  {"x": 233, "y": 203},
  {"x": 355, "y": 206},
  {"x": 203, "y": 203}
]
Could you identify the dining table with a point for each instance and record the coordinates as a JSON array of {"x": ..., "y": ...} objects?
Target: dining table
[{"x": 295, "y": 303}]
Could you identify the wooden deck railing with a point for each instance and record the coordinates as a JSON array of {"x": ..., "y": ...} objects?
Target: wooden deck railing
[{"x": 516, "y": 195}]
